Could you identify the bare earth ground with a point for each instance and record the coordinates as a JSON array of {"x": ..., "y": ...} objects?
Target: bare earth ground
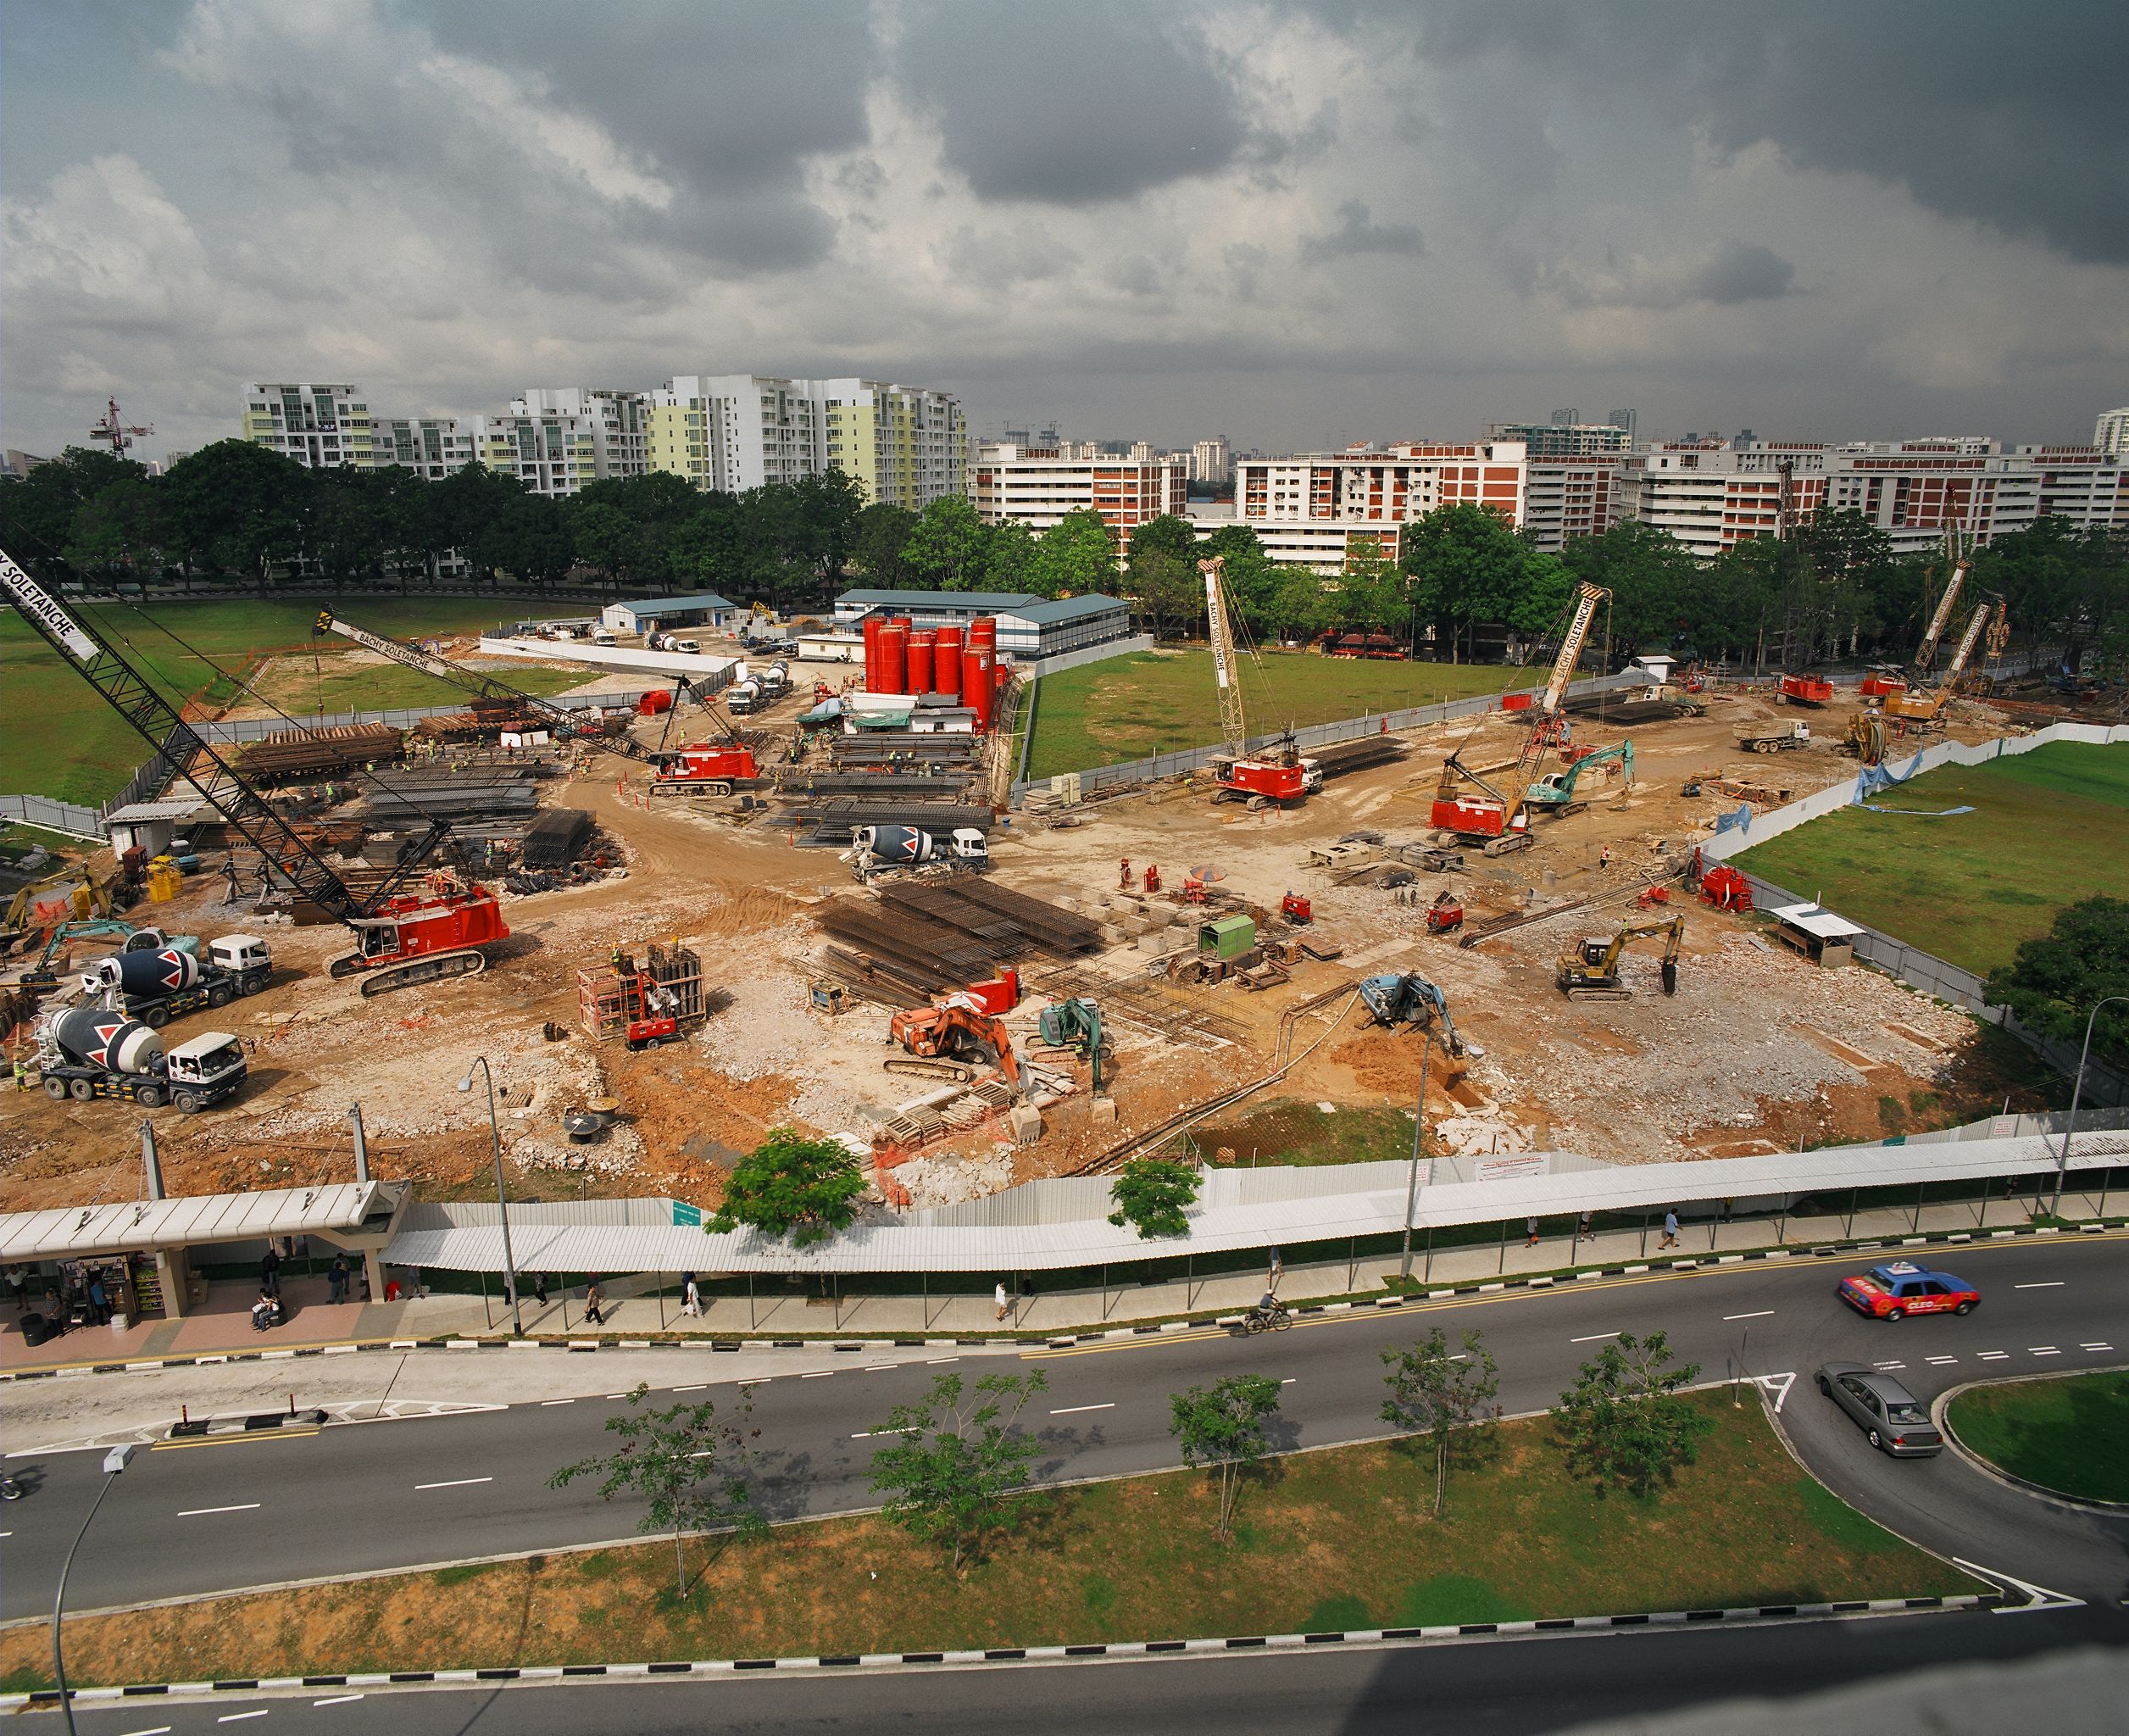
[{"x": 1758, "y": 1050}]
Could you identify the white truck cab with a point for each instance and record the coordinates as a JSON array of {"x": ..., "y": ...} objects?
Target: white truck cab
[
  {"x": 244, "y": 956},
  {"x": 971, "y": 845},
  {"x": 204, "y": 1069}
]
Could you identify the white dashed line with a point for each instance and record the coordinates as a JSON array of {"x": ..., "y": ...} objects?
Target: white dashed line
[
  {"x": 939, "y": 1361},
  {"x": 239, "y": 1718},
  {"x": 2053, "y": 1284},
  {"x": 337, "y": 1699},
  {"x": 1761, "y": 1315},
  {"x": 549, "y": 1404},
  {"x": 2095, "y": 1347},
  {"x": 2041, "y": 1350},
  {"x": 1074, "y": 1409},
  {"x": 822, "y": 1375},
  {"x": 1593, "y": 1338},
  {"x": 198, "y": 1512},
  {"x": 156, "y": 1730},
  {"x": 703, "y": 1387},
  {"x": 1289, "y": 1380},
  {"x": 1889, "y": 1364},
  {"x": 456, "y": 1482},
  {"x": 1940, "y": 1361},
  {"x": 1994, "y": 1355},
  {"x": 883, "y": 1368}
]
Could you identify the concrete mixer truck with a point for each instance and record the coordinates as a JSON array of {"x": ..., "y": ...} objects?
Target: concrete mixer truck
[
  {"x": 157, "y": 987},
  {"x": 87, "y": 1051}
]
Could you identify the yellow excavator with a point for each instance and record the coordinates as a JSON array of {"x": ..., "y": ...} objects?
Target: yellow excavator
[{"x": 1590, "y": 971}]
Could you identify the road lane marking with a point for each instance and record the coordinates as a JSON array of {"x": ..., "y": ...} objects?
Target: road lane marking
[
  {"x": 2053, "y": 1284},
  {"x": 198, "y": 1512},
  {"x": 938, "y": 1362},
  {"x": 1761, "y": 1315},
  {"x": 337, "y": 1699},
  {"x": 456, "y": 1482},
  {"x": 883, "y": 1368},
  {"x": 1939, "y": 1361},
  {"x": 239, "y": 1718},
  {"x": 233, "y": 1440},
  {"x": 1289, "y": 1380},
  {"x": 1994, "y": 1355},
  {"x": 703, "y": 1387},
  {"x": 2095, "y": 1347},
  {"x": 2041, "y": 1597},
  {"x": 822, "y": 1375},
  {"x": 157, "y": 1730},
  {"x": 1074, "y": 1409},
  {"x": 546, "y": 1404},
  {"x": 1593, "y": 1338},
  {"x": 2041, "y": 1350}
]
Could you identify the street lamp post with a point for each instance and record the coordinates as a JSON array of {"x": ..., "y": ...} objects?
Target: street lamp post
[
  {"x": 114, "y": 1461},
  {"x": 2062, "y": 1164},
  {"x": 1419, "y": 1138},
  {"x": 503, "y": 1204}
]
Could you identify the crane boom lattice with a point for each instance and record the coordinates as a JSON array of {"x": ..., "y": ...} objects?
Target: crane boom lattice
[{"x": 1226, "y": 675}]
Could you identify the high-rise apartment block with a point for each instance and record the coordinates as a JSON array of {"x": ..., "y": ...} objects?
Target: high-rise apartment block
[
  {"x": 320, "y": 427},
  {"x": 1212, "y": 461},
  {"x": 1039, "y": 485},
  {"x": 2110, "y": 433},
  {"x": 1319, "y": 509},
  {"x": 1565, "y": 439},
  {"x": 902, "y": 445},
  {"x": 431, "y": 446}
]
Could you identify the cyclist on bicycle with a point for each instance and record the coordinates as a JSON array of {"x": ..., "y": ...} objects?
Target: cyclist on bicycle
[{"x": 1269, "y": 1308}]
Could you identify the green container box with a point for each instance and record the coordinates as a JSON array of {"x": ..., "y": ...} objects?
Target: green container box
[{"x": 1227, "y": 937}]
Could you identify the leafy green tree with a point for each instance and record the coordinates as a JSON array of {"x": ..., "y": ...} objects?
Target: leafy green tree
[
  {"x": 1649, "y": 573},
  {"x": 1439, "y": 1394},
  {"x": 946, "y": 551},
  {"x": 119, "y": 533},
  {"x": 957, "y": 1472},
  {"x": 1467, "y": 566},
  {"x": 883, "y": 532},
  {"x": 235, "y": 507},
  {"x": 1254, "y": 580},
  {"x": 2055, "y": 981},
  {"x": 1154, "y": 1194},
  {"x": 40, "y": 513},
  {"x": 829, "y": 507},
  {"x": 1166, "y": 592},
  {"x": 791, "y": 1185},
  {"x": 692, "y": 1473},
  {"x": 1075, "y": 556},
  {"x": 1008, "y": 558},
  {"x": 1165, "y": 534},
  {"x": 1623, "y": 1422},
  {"x": 1228, "y": 1428}
]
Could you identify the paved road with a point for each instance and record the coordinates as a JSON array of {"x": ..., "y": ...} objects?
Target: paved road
[
  {"x": 192, "y": 1519},
  {"x": 1496, "y": 1688}
]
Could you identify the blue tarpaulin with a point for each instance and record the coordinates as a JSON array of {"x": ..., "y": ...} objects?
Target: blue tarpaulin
[{"x": 1735, "y": 822}]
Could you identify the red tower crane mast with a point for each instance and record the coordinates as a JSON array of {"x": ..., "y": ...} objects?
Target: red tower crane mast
[{"x": 115, "y": 431}]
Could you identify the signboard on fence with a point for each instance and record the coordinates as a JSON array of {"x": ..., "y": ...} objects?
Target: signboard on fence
[
  {"x": 686, "y": 1216},
  {"x": 1512, "y": 1169}
]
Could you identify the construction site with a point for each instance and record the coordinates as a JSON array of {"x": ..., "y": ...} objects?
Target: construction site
[{"x": 670, "y": 928}]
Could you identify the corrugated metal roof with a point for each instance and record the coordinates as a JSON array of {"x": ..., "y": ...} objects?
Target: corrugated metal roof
[
  {"x": 701, "y": 599},
  {"x": 170, "y": 807},
  {"x": 1815, "y": 920},
  {"x": 1239, "y": 1210},
  {"x": 1067, "y": 609},
  {"x": 959, "y": 602},
  {"x": 138, "y": 1225}
]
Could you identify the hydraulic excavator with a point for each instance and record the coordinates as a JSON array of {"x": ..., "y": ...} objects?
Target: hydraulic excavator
[
  {"x": 953, "y": 1034},
  {"x": 1590, "y": 971},
  {"x": 1075, "y": 1024},
  {"x": 1555, "y": 790},
  {"x": 1409, "y": 999}
]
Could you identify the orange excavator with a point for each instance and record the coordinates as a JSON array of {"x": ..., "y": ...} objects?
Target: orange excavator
[{"x": 956, "y": 1031}]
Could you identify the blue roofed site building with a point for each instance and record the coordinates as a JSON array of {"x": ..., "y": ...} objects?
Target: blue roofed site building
[
  {"x": 1028, "y": 626},
  {"x": 703, "y": 608}
]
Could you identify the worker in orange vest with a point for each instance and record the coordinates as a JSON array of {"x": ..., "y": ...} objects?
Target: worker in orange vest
[{"x": 1153, "y": 876}]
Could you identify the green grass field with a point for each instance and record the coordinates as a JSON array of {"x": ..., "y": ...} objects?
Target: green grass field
[
  {"x": 62, "y": 740},
  {"x": 1155, "y": 702},
  {"x": 2049, "y": 827},
  {"x": 1343, "y": 1538},
  {"x": 2067, "y": 1435}
]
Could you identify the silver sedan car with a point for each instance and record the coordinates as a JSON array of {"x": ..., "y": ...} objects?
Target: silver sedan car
[{"x": 1892, "y": 1418}]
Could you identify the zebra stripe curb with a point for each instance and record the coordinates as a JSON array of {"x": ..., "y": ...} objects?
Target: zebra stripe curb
[{"x": 1028, "y": 1654}]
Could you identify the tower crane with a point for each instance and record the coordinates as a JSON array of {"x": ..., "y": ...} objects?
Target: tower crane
[
  {"x": 114, "y": 431},
  {"x": 705, "y": 768},
  {"x": 1280, "y": 777},
  {"x": 1491, "y": 807},
  {"x": 414, "y": 928}
]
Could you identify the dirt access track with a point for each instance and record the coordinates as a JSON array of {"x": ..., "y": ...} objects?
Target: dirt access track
[{"x": 1757, "y": 1051}]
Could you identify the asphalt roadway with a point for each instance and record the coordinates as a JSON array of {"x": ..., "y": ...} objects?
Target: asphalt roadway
[{"x": 192, "y": 1519}]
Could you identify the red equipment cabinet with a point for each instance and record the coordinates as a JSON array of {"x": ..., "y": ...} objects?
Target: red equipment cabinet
[{"x": 1806, "y": 690}]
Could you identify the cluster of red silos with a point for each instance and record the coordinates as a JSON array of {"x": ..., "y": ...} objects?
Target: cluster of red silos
[{"x": 961, "y": 664}]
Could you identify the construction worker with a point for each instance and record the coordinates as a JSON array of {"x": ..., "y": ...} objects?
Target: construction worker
[
  {"x": 1123, "y": 875},
  {"x": 1153, "y": 876},
  {"x": 21, "y": 1074},
  {"x": 1604, "y": 857}
]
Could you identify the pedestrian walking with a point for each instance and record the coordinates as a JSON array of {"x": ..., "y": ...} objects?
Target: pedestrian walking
[
  {"x": 1604, "y": 857},
  {"x": 337, "y": 1280},
  {"x": 999, "y": 1296},
  {"x": 1530, "y": 1227},
  {"x": 270, "y": 1272},
  {"x": 691, "y": 1299},
  {"x": 1584, "y": 1232},
  {"x": 592, "y": 1301},
  {"x": 1670, "y": 1230},
  {"x": 99, "y": 1303},
  {"x": 539, "y": 1287},
  {"x": 17, "y": 1279}
]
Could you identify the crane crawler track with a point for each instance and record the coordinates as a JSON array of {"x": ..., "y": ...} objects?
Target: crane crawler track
[{"x": 412, "y": 975}]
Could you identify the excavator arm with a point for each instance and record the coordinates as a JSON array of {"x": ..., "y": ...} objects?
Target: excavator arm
[{"x": 1557, "y": 788}]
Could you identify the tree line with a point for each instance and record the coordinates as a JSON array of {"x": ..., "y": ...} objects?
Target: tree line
[{"x": 235, "y": 511}]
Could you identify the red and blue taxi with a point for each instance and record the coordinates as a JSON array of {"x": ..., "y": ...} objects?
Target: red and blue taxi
[{"x": 1900, "y": 1287}]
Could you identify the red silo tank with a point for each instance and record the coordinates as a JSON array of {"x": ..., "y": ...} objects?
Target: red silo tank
[
  {"x": 945, "y": 662},
  {"x": 905, "y": 622},
  {"x": 894, "y": 649},
  {"x": 872, "y": 625},
  {"x": 975, "y": 683},
  {"x": 923, "y": 646},
  {"x": 655, "y": 704},
  {"x": 984, "y": 631}
]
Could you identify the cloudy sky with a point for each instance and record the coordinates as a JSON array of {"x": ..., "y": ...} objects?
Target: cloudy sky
[{"x": 1297, "y": 224}]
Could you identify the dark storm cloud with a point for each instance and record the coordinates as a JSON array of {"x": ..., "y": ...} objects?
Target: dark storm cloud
[
  {"x": 1068, "y": 105},
  {"x": 2009, "y": 115},
  {"x": 1358, "y": 233},
  {"x": 1741, "y": 271},
  {"x": 1731, "y": 274}
]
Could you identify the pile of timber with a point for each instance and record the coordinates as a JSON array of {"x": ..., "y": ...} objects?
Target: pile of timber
[{"x": 289, "y": 756}]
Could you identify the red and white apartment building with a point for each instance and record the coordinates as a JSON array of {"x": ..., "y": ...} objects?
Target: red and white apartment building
[{"x": 1038, "y": 485}]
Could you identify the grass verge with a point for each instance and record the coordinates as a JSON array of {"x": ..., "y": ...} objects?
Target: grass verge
[
  {"x": 2049, "y": 827},
  {"x": 66, "y": 742},
  {"x": 2066, "y": 1434},
  {"x": 1151, "y": 702},
  {"x": 1341, "y": 1539},
  {"x": 1289, "y": 1131}
]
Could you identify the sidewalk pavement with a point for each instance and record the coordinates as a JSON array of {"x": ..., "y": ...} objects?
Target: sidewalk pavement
[{"x": 647, "y": 1305}]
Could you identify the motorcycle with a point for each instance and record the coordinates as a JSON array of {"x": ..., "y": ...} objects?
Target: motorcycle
[{"x": 10, "y": 1490}]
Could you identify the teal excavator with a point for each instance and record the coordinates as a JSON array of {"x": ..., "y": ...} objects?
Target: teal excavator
[
  {"x": 1556, "y": 789},
  {"x": 1075, "y": 1024}
]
